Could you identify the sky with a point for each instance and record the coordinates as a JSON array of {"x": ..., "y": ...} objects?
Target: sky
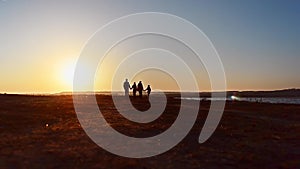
[{"x": 257, "y": 41}]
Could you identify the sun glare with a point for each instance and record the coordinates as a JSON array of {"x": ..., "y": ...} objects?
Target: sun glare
[{"x": 66, "y": 73}]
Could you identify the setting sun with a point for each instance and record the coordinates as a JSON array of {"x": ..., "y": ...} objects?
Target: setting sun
[{"x": 65, "y": 73}]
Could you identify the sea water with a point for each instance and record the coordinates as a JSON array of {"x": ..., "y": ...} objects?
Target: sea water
[{"x": 275, "y": 100}]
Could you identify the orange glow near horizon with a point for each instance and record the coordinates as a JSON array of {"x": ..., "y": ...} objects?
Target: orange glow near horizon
[
  {"x": 59, "y": 78},
  {"x": 65, "y": 73}
]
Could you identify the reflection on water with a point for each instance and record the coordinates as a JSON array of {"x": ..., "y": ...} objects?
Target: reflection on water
[
  {"x": 191, "y": 96},
  {"x": 250, "y": 99}
]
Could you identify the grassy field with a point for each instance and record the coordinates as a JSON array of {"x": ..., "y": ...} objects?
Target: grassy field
[{"x": 44, "y": 132}]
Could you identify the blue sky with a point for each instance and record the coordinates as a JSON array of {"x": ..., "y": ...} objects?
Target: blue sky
[{"x": 258, "y": 41}]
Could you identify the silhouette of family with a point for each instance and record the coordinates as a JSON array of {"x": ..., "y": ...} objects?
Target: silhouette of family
[{"x": 135, "y": 88}]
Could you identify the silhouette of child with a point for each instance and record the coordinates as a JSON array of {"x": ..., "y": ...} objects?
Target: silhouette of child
[
  {"x": 148, "y": 89},
  {"x": 134, "y": 88}
]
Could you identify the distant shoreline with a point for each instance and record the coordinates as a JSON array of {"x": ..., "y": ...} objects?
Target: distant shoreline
[{"x": 287, "y": 93}]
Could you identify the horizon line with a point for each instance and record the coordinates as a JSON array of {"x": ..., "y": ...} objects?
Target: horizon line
[{"x": 154, "y": 91}]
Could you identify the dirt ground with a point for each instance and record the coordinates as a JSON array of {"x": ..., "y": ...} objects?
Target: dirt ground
[{"x": 44, "y": 132}]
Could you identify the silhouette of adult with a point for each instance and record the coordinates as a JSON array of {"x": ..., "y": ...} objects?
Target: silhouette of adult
[
  {"x": 126, "y": 87},
  {"x": 134, "y": 88},
  {"x": 148, "y": 89},
  {"x": 140, "y": 89}
]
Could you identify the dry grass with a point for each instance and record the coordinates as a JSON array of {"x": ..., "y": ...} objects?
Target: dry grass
[{"x": 250, "y": 135}]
